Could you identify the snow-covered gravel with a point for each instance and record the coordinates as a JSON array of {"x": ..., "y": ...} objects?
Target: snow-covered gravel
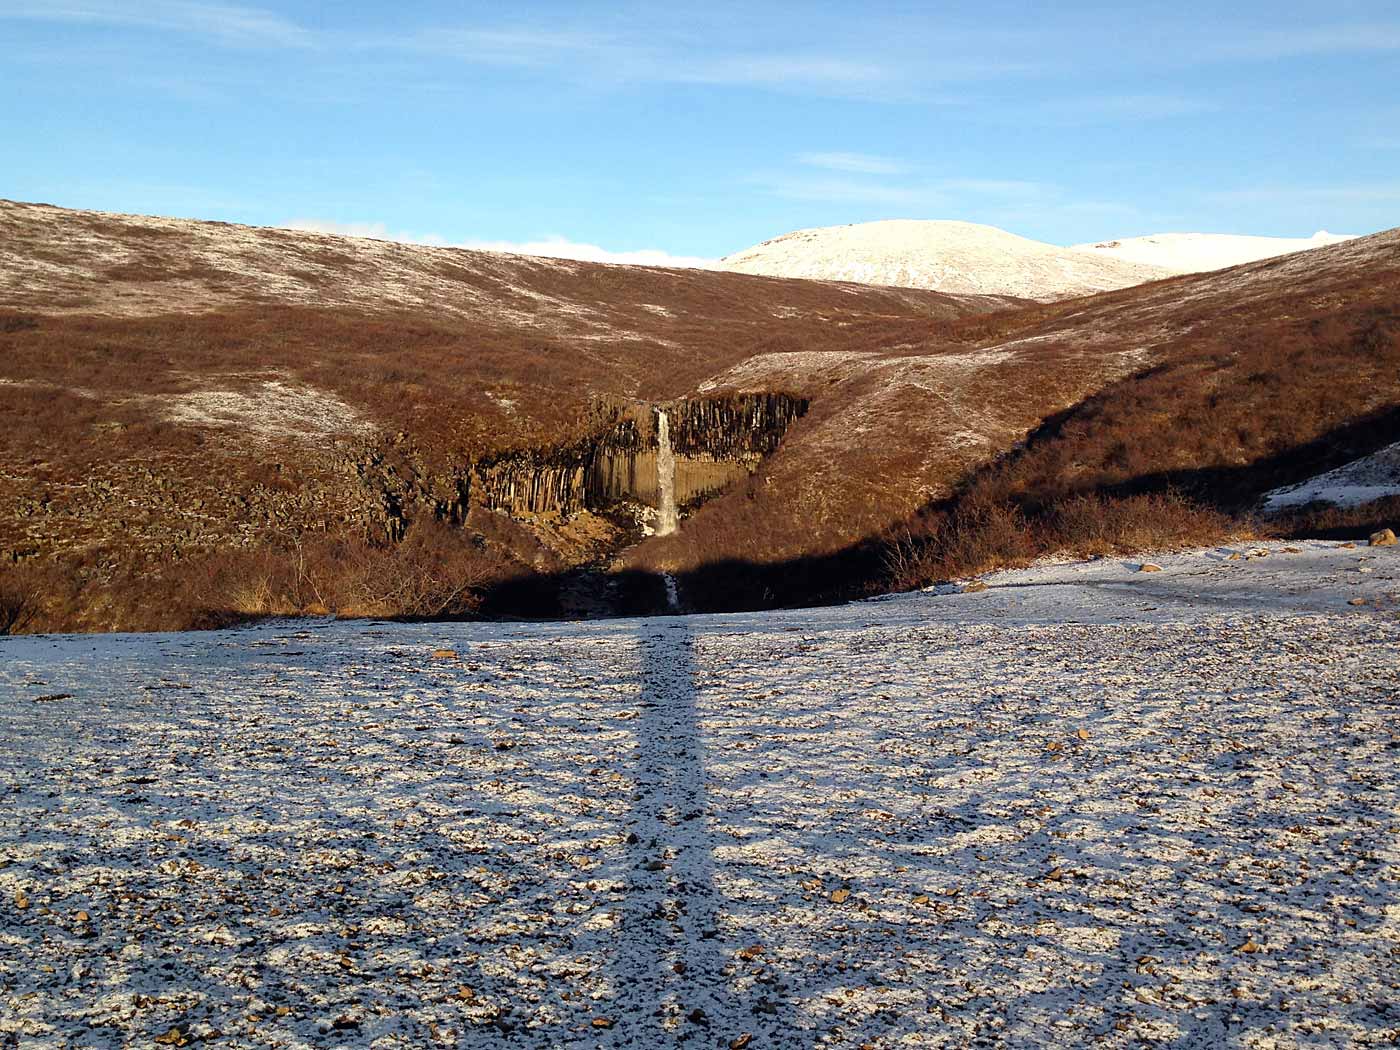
[
  {"x": 1088, "y": 805},
  {"x": 1362, "y": 480},
  {"x": 1201, "y": 252}
]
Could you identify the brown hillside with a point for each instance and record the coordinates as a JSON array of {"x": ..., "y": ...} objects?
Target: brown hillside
[
  {"x": 931, "y": 415},
  {"x": 185, "y": 390},
  {"x": 176, "y": 388}
]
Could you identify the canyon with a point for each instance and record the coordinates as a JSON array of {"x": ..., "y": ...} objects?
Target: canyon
[{"x": 208, "y": 421}]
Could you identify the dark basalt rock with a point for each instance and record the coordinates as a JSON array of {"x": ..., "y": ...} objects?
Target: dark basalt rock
[{"x": 716, "y": 440}]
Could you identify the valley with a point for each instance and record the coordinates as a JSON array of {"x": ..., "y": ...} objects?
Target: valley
[{"x": 219, "y": 422}]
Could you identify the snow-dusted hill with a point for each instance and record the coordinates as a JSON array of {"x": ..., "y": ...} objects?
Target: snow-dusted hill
[
  {"x": 1201, "y": 252},
  {"x": 960, "y": 257},
  {"x": 1362, "y": 480}
]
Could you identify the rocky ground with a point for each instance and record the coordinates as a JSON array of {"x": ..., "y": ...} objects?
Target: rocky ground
[{"x": 1088, "y": 805}]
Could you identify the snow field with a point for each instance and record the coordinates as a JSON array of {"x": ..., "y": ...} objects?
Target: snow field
[{"x": 1084, "y": 806}]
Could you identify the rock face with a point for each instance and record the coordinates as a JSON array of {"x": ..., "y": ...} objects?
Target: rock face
[
  {"x": 957, "y": 257},
  {"x": 715, "y": 442}
]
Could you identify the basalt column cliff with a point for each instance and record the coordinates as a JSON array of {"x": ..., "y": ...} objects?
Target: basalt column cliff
[{"x": 660, "y": 460}]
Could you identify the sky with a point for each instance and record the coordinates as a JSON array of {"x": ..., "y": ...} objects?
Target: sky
[{"x": 671, "y": 133}]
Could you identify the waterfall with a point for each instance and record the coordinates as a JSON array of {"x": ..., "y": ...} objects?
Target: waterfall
[{"x": 667, "y": 520}]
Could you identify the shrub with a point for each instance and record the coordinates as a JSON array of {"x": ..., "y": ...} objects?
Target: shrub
[
  {"x": 435, "y": 571},
  {"x": 20, "y": 600}
]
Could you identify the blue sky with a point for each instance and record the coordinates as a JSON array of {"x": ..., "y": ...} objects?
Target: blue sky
[{"x": 699, "y": 132}]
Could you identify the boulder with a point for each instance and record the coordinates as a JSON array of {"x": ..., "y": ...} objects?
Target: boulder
[
  {"x": 1384, "y": 538},
  {"x": 1148, "y": 566}
]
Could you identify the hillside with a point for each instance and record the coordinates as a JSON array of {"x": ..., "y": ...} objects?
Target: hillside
[
  {"x": 178, "y": 390},
  {"x": 212, "y": 420},
  {"x": 1202, "y": 252},
  {"x": 1224, "y": 385},
  {"x": 956, "y": 257}
]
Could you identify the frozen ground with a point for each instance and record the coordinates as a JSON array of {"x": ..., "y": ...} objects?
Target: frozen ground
[
  {"x": 1200, "y": 252},
  {"x": 1088, "y": 805},
  {"x": 1362, "y": 480}
]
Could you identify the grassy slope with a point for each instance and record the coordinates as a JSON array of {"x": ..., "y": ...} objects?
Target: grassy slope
[
  {"x": 1167, "y": 382},
  {"x": 112, "y": 328},
  {"x": 914, "y": 394}
]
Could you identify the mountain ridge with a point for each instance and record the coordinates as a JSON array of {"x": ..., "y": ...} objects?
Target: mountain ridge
[
  {"x": 944, "y": 255},
  {"x": 951, "y": 255}
]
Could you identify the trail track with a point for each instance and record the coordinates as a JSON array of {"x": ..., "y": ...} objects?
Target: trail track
[{"x": 1088, "y": 806}]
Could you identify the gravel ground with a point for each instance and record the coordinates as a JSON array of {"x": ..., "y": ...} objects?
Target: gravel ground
[{"x": 1089, "y": 805}]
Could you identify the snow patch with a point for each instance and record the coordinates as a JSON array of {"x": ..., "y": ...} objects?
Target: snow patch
[
  {"x": 1202, "y": 252},
  {"x": 1362, "y": 480},
  {"x": 945, "y": 256},
  {"x": 1082, "y": 807},
  {"x": 270, "y": 409}
]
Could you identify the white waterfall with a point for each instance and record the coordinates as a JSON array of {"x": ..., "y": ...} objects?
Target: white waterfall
[{"x": 667, "y": 520}]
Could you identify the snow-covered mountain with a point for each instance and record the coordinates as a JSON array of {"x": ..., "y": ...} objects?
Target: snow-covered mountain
[
  {"x": 1201, "y": 252},
  {"x": 958, "y": 257}
]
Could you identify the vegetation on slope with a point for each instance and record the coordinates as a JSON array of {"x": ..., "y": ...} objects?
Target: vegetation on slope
[{"x": 170, "y": 469}]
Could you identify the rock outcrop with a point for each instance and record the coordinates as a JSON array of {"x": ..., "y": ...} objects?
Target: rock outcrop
[{"x": 716, "y": 441}]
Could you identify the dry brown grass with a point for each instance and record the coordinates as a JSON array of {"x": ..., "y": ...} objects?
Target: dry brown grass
[
  {"x": 981, "y": 535},
  {"x": 21, "y": 600},
  {"x": 1205, "y": 386},
  {"x": 1327, "y": 521},
  {"x": 434, "y": 572},
  {"x": 1180, "y": 454}
]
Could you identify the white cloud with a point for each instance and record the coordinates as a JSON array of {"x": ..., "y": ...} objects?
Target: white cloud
[
  {"x": 777, "y": 70},
  {"x": 1091, "y": 109},
  {"x": 602, "y": 58},
  {"x": 228, "y": 22},
  {"x": 855, "y": 163},
  {"x": 838, "y": 190},
  {"x": 629, "y": 55},
  {"x": 1370, "y": 193},
  {"x": 926, "y": 195},
  {"x": 553, "y": 247},
  {"x": 1299, "y": 41},
  {"x": 505, "y": 47}
]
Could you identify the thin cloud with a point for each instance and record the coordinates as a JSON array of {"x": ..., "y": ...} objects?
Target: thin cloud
[
  {"x": 1299, "y": 42},
  {"x": 610, "y": 59},
  {"x": 1091, "y": 109},
  {"x": 854, "y": 163},
  {"x": 226, "y": 22},
  {"x": 522, "y": 48},
  {"x": 1370, "y": 193},
  {"x": 587, "y": 56},
  {"x": 837, "y": 190},
  {"x": 553, "y": 247},
  {"x": 776, "y": 70},
  {"x": 926, "y": 194}
]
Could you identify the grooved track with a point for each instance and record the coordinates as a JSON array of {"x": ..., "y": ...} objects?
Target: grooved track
[{"x": 934, "y": 822}]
